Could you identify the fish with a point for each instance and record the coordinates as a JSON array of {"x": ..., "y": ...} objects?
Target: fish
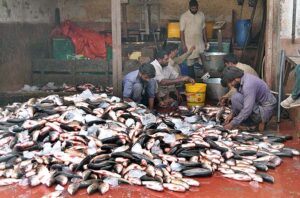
[
  {"x": 174, "y": 187},
  {"x": 153, "y": 185},
  {"x": 238, "y": 176},
  {"x": 197, "y": 172},
  {"x": 92, "y": 188},
  {"x": 103, "y": 188},
  {"x": 8, "y": 181},
  {"x": 77, "y": 142}
]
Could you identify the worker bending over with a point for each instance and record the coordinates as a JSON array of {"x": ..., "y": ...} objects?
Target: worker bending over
[
  {"x": 253, "y": 104},
  {"x": 165, "y": 77},
  {"x": 139, "y": 85},
  {"x": 231, "y": 60}
]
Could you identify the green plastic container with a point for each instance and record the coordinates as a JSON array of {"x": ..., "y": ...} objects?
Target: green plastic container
[
  {"x": 213, "y": 47},
  {"x": 62, "y": 48},
  {"x": 109, "y": 53}
]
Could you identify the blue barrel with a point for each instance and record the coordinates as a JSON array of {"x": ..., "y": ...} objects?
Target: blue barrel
[
  {"x": 242, "y": 29},
  {"x": 184, "y": 69}
]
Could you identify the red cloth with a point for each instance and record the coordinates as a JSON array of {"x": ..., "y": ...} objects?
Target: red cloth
[{"x": 87, "y": 42}]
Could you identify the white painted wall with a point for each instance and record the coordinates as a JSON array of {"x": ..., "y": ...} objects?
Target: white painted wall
[
  {"x": 27, "y": 11},
  {"x": 287, "y": 19}
]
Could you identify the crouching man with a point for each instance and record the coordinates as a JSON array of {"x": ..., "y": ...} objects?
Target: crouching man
[
  {"x": 253, "y": 104},
  {"x": 139, "y": 86}
]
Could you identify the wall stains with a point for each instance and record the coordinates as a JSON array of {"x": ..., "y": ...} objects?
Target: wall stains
[{"x": 28, "y": 11}]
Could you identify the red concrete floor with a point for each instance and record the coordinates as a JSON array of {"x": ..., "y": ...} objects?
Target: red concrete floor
[{"x": 287, "y": 182}]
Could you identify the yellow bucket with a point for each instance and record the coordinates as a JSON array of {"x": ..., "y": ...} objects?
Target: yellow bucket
[
  {"x": 195, "y": 94},
  {"x": 209, "y": 28},
  {"x": 195, "y": 104},
  {"x": 173, "y": 30}
]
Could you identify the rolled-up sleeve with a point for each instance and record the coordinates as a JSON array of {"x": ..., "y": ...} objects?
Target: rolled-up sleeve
[
  {"x": 127, "y": 88},
  {"x": 151, "y": 88},
  {"x": 249, "y": 101}
]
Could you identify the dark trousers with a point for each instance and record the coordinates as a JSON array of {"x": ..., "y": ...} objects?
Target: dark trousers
[{"x": 296, "y": 90}]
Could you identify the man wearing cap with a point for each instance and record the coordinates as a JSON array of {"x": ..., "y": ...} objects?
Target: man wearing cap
[{"x": 253, "y": 104}]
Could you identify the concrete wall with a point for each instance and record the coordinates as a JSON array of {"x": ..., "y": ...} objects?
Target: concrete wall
[
  {"x": 286, "y": 33},
  {"x": 99, "y": 10},
  {"x": 24, "y": 31},
  {"x": 27, "y": 11},
  {"x": 291, "y": 49},
  {"x": 25, "y": 26}
]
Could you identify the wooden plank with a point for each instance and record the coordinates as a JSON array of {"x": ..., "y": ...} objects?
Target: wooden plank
[
  {"x": 269, "y": 42},
  {"x": 117, "y": 48},
  {"x": 91, "y": 66},
  {"x": 38, "y": 79},
  {"x": 124, "y": 18},
  {"x": 95, "y": 80}
]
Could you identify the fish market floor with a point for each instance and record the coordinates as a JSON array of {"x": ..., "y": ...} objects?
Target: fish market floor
[{"x": 287, "y": 182}]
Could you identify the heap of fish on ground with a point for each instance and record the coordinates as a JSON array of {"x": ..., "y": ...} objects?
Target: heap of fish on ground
[{"x": 94, "y": 141}]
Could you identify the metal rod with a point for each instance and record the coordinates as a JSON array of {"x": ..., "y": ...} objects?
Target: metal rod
[
  {"x": 294, "y": 21},
  {"x": 280, "y": 86}
]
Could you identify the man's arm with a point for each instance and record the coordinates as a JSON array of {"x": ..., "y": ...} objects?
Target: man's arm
[
  {"x": 182, "y": 34},
  {"x": 151, "y": 90},
  {"x": 127, "y": 90},
  {"x": 180, "y": 79},
  {"x": 183, "y": 57},
  {"x": 183, "y": 45},
  {"x": 249, "y": 102},
  {"x": 151, "y": 103},
  {"x": 204, "y": 36}
]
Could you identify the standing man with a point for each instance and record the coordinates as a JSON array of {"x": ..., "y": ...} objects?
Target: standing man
[
  {"x": 193, "y": 33},
  {"x": 139, "y": 85},
  {"x": 166, "y": 76},
  {"x": 253, "y": 104}
]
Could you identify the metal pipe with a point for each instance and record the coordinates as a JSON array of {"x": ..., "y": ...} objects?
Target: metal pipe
[
  {"x": 294, "y": 21},
  {"x": 280, "y": 87}
]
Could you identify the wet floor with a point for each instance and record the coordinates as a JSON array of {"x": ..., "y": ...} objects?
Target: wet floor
[{"x": 287, "y": 183}]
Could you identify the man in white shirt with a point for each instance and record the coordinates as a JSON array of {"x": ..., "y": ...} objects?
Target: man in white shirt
[
  {"x": 166, "y": 76},
  {"x": 193, "y": 33}
]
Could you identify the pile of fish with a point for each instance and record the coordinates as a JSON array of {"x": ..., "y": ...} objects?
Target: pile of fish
[
  {"x": 94, "y": 141},
  {"x": 51, "y": 87}
]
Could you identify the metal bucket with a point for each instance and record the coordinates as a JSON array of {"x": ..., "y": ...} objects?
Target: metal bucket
[
  {"x": 213, "y": 61},
  {"x": 215, "y": 90}
]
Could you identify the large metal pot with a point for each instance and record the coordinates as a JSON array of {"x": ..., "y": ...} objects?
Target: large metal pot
[
  {"x": 214, "y": 89},
  {"x": 213, "y": 61}
]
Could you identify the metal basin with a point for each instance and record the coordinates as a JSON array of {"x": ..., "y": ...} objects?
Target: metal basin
[
  {"x": 215, "y": 90},
  {"x": 213, "y": 61}
]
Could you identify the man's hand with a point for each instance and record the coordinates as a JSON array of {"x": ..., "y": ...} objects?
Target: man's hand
[
  {"x": 188, "y": 79},
  {"x": 128, "y": 100},
  {"x": 228, "y": 119},
  {"x": 228, "y": 126},
  {"x": 184, "y": 47},
  {"x": 192, "y": 49},
  {"x": 223, "y": 101},
  {"x": 179, "y": 97},
  {"x": 162, "y": 104},
  {"x": 207, "y": 46}
]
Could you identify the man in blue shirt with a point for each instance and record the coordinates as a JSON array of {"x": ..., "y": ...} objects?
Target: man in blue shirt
[
  {"x": 139, "y": 85},
  {"x": 253, "y": 103}
]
